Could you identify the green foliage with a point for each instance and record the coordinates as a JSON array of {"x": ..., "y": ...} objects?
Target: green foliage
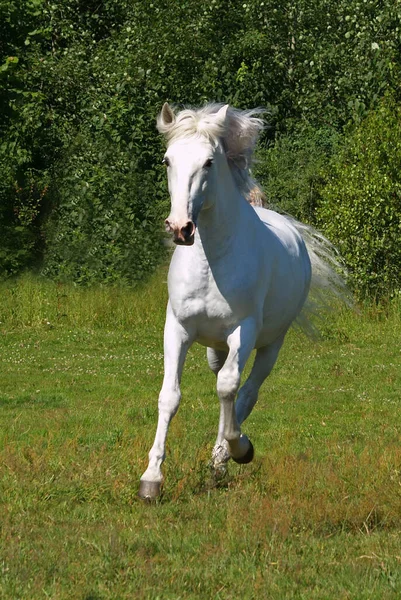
[
  {"x": 105, "y": 223},
  {"x": 20, "y": 214},
  {"x": 360, "y": 207},
  {"x": 27, "y": 142},
  {"x": 290, "y": 170},
  {"x": 86, "y": 80},
  {"x": 323, "y": 62}
]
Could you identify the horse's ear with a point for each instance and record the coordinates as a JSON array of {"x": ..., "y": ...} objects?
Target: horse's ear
[
  {"x": 222, "y": 114},
  {"x": 167, "y": 117}
]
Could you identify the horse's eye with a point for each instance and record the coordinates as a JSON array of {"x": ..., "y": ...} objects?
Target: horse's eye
[
  {"x": 208, "y": 163},
  {"x": 166, "y": 161}
]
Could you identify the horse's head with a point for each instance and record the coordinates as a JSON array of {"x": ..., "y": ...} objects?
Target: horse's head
[{"x": 191, "y": 160}]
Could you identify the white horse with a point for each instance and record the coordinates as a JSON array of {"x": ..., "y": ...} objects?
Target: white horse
[{"x": 238, "y": 278}]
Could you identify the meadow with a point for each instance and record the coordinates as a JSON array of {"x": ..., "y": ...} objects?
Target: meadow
[{"x": 316, "y": 515}]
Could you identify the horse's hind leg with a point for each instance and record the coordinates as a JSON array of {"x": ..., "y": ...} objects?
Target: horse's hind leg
[
  {"x": 216, "y": 359},
  {"x": 264, "y": 362},
  {"x": 220, "y": 454}
]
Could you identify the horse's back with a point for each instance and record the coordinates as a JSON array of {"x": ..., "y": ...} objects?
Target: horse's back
[
  {"x": 290, "y": 239},
  {"x": 281, "y": 226}
]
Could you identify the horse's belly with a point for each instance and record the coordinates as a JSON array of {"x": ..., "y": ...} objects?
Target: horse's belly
[
  {"x": 223, "y": 346},
  {"x": 214, "y": 333}
]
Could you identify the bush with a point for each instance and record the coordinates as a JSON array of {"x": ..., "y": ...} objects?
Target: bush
[
  {"x": 21, "y": 215},
  {"x": 104, "y": 226},
  {"x": 290, "y": 171},
  {"x": 360, "y": 207},
  {"x": 81, "y": 84}
]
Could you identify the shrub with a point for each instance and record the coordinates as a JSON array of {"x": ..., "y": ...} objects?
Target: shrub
[
  {"x": 290, "y": 171},
  {"x": 360, "y": 207},
  {"x": 104, "y": 226},
  {"x": 81, "y": 84}
]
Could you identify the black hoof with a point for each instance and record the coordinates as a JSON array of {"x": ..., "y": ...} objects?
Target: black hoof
[
  {"x": 149, "y": 490},
  {"x": 247, "y": 458}
]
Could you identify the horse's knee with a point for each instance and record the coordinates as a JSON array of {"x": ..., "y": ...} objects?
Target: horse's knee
[
  {"x": 169, "y": 401},
  {"x": 228, "y": 381}
]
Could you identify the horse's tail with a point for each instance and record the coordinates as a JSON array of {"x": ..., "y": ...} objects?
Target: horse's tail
[{"x": 328, "y": 286}]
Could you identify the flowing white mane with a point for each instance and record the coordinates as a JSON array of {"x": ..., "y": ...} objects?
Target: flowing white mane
[{"x": 238, "y": 133}]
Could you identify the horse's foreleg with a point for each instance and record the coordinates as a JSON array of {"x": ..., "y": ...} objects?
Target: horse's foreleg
[
  {"x": 220, "y": 454},
  {"x": 176, "y": 343},
  {"x": 240, "y": 343},
  {"x": 264, "y": 362}
]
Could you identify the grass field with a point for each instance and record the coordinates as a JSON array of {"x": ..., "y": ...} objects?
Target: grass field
[{"x": 317, "y": 515}]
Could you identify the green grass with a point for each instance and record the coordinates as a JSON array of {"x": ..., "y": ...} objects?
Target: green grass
[{"x": 316, "y": 515}]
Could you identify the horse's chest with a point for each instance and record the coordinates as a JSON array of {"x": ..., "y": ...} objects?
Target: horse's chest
[
  {"x": 212, "y": 302},
  {"x": 202, "y": 298}
]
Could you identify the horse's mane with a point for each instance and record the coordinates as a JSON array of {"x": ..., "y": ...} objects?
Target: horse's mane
[{"x": 238, "y": 134}]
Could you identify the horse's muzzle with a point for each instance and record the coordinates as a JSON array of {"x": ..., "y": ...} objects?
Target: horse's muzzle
[{"x": 183, "y": 236}]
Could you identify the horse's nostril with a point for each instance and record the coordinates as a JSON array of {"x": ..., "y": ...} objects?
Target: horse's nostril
[
  {"x": 188, "y": 230},
  {"x": 168, "y": 225}
]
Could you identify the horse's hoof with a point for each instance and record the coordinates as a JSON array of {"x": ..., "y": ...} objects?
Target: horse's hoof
[
  {"x": 219, "y": 471},
  {"x": 248, "y": 456},
  {"x": 220, "y": 455},
  {"x": 149, "y": 490}
]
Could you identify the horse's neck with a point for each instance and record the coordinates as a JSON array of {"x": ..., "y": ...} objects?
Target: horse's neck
[{"x": 219, "y": 226}]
